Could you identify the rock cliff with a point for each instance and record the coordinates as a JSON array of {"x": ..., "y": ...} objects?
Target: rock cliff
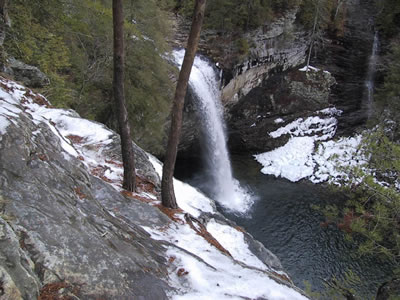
[
  {"x": 275, "y": 48},
  {"x": 68, "y": 230},
  {"x": 279, "y": 100},
  {"x": 346, "y": 55}
]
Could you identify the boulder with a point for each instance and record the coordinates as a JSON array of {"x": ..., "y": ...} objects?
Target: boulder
[{"x": 29, "y": 75}]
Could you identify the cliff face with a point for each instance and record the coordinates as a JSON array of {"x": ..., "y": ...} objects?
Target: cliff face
[
  {"x": 346, "y": 56},
  {"x": 264, "y": 80},
  {"x": 275, "y": 48}
]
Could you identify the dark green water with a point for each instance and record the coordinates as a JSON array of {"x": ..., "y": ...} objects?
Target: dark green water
[{"x": 283, "y": 220}]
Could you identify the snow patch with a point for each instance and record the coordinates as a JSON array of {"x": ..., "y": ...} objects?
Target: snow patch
[
  {"x": 227, "y": 280},
  {"x": 310, "y": 153},
  {"x": 310, "y": 68},
  {"x": 233, "y": 241},
  {"x": 320, "y": 128},
  {"x": 292, "y": 161}
]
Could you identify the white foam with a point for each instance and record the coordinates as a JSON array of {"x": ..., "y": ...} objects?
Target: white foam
[{"x": 226, "y": 190}]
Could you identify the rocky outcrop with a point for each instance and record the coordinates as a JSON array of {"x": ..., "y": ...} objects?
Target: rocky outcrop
[
  {"x": 278, "y": 101},
  {"x": 61, "y": 224},
  {"x": 29, "y": 75},
  {"x": 68, "y": 230},
  {"x": 276, "y": 47}
]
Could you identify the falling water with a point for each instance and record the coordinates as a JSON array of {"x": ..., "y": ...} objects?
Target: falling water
[
  {"x": 204, "y": 83},
  {"x": 369, "y": 82}
]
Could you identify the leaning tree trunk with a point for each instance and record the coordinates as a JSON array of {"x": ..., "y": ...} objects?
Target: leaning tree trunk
[
  {"x": 118, "y": 87},
  {"x": 316, "y": 16},
  {"x": 167, "y": 187}
]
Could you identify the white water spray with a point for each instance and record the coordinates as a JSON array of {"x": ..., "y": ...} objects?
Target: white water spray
[
  {"x": 369, "y": 82},
  {"x": 226, "y": 189}
]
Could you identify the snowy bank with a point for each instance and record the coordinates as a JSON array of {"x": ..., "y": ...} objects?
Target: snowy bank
[
  {"x": 310, "y": 152},
  {"x": 207, "y": 258}
]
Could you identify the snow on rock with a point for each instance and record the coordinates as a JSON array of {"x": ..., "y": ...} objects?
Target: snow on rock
[
  {"x": 217, "y": 275},
  {"x": 233, "y": 241},
  {"x": 198, "y": 268},
  {"x": 78, "y": 137},
  {"x": 225, "y": 280},
  {"x": 332, "y": 157},
  {"x": 310, "y": 153},
  {"x": 188, "y": 198},
  {"x": 310, "y": 68},
  {"x": 321, "y": 129}
]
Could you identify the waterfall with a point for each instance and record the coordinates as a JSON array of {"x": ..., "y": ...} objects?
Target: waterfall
[
  {"x": 369, "y": 81},
  {"x": 204, "y": 83}
]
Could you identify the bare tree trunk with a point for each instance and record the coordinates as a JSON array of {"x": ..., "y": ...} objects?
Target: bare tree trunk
[
  {"x": 118, "y": 87},
  {"x": 313, "y": 34},
  {"x": 167, "y": 187},
  {"x": 339, "y": 4}
]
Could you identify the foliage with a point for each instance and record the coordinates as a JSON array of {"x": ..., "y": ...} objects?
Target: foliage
[
  {"x": 336, "y": 288},
  {"x": 243, "y": 46},
  {"x": 327, "y": 14},
  {"x": 389, "y": 17},
  {"x": 237, "y": 15},
  {"x": 371, "y": 217},
  {"x": 71, "y": 41}
]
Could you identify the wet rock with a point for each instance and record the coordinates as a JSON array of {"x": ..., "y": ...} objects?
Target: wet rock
[
  {"x": 278, "y": 101},
  {"x": 275, "y": 48}
]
